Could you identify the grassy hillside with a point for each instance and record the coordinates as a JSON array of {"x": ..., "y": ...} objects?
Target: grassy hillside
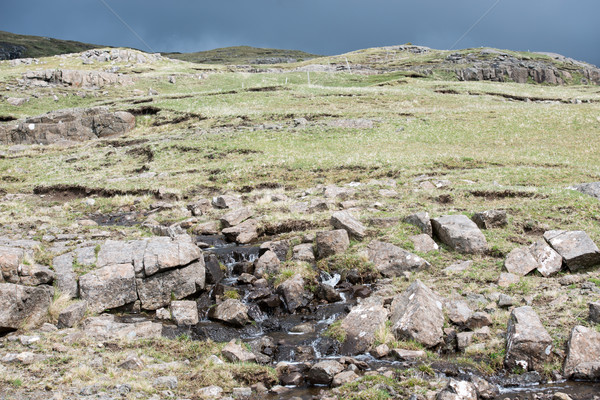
[
  {"x": 38, "y": 46},
  {"x": 242, "y": 55}
]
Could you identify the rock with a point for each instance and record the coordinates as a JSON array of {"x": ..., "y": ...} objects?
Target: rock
[
  {"x": 490, "y": 219},
  {"x": 549, "y": 261},
  {"x": 575, "y": 247},
  {"x": 393, "y": 261},
  {"x": 214, "y": 273},
  {"x": 343, "y": 378},
  {"x": 528, "y": 344},
  {"x": 422, "y": 221},
  {"x": 11, "y": 258},
  {"x": 505, "y": 301},
  {"x": 416, "y": 314},
  {"x": 561, "y": 396},
  {"x": 236, "y": 217},
  {"x": 460, "y": 233},
  {"x": 132, "y": 362},
  {"x": 104, "y": 328},
  {"x": 336, "y": 192},
  {"x": 158, "y": 290},
  {"x": 35, "y": 275},
  {"x": 408, "y": 355},
  {"x": 184, "y": 312},
  {"x": 66, "y": 279},
  {"x": 322, "y": 373},
  {"x": 591, "y": 189},
  {"x": 345, "y": 220},
  {"x": 163, "y": 313},
  {"x": 210, "y": 392},
  {"x": 28, "y": 340},
  {"x": 164, "y": 253},
  {"x": 243, "y": 233},
  {"x": 594, "y": 309},
  {"x": 16, "y": 101},
  {"x": 71, "y": 315},
  {"x": 23, "y": 306},
  {"x": 424, "y": 243},
  {"x": 507, "y": 279},
  {"x": 267, "y": 264},
  {"x": 329, "y": 243},
  {"x": 207, "y": 228},
  {"x": 231, "y": 311},
  {"x": 227, "y": 201},
  {"x": 108, "y": 287},
  {"x": 328, "y": 293},
  {"x": 304, "y": 253},
  {"x": 306, "y": 327},
  {"x": 294, "y": 294},
  {"x": 279, "y": 247},
  {"x": 458, "y": 390},
  {"x": 458, "y": 312},
  {"x": 165, "y": 382},
  {"x": 380, "y": 351},
  {"x": 520, "y": 261},
  {"x": 458, "y": 267},
  {"x": 485, "y": 390},
  {"x": 233, "y": 352},
  {"x": 25, "y": 358},
  {"x": 68, "y": 125},
  {"x": 199, "y": 207},
  {"x": 583, "y": 354},
  {"x": 361, "y": 325},
  {"x": 478, "y": 320}
]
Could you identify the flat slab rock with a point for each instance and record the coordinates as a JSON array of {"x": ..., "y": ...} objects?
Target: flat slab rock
[
  {"x": 576, "y": 248},
  {"x": 392, "y": 261},
  {"x": 460, "y": 233},
  {"x": 106, "y": 328}
]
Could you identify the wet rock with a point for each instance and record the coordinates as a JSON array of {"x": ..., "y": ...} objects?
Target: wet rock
[
  {"x": 490, "y": 219},
  {"x": 71, "y": 315},
  {"x": 416, "y": 314},
  {"x": 345, "y": 220},
  {"x": 231, "y": 311},
  {"x": 485, "y": 390},
  {"x": 246, "y": 279},
  {"x": 199, "y": 207},
  {"x": 458, "y": 312},
  {"x": 108, "y": 287},
  {"x": 68, "y": 125},
  {"x": 243, "y": 233},
  {"x": 236, "y": 217},
  {"x": 158, "y": 290},
  {"x": 279, "y": 247},
  {"x": 528, "y": 344},
  {"x": 583, "y": 354},
  {"x": 506, "y": 279},
  {"x": 408, "y": 355},
  {"x": 460, "y": 233},
  {"x": 267, "y": 264},
  {"x": 105, "y": 327},
  {"x": 306, "y": 327},
  {"x": 380, "y": 351},
  {"x": 424, "y": 243},
  {"x": 322, "y": 373},
  {"x": 575, "y": 247},
  {"x": 393, "y": 261},
  {"x": 184, "y": 312},
  {"x": 234, "y": 352},
  {"x": 361, "y": 325},
  {"x": 294, "y": 294},
  {"x": 520, "y": 261},
  {"x": 458, "y": 390},
  {"x": 329, "y": 243},
  {"x": 550, "y": 262},
  {"x": 214, "y": 273},
  {"x": 227, "y": 201},
  {"x": 422, "y": 221},
  {"x": 304, "y": 253},
  {"x": 343, "y": 378}
]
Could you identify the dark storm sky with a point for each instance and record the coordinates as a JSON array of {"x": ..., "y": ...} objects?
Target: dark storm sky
[{"x": 569, "y": 27}]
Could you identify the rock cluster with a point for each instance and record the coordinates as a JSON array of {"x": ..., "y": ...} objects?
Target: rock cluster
[{"x": 75, "y": 78}]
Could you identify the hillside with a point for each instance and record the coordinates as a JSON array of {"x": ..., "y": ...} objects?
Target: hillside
[
  {"x": 13, "y": 46},
  {"x": 243, "y": 55}
]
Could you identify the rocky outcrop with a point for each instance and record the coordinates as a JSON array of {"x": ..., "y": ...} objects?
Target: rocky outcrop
[
  {"x": 23, "y": 306},
  {"x": 583, "y": 354},
  {"x": 460, "y": 233},
  {"x": 361, "y": 324},
  {"x": 528, "y": 344},
  {"x": 9, "y": 51},
  {"x": 75, "y": 78},
  {"x": 392, "y": 261},
  {"x": 417, "y": 314},
  {"x": 118, "y": 56},
  {"x": 67, "y": 125},
  {"x": 108, "y": 287}
]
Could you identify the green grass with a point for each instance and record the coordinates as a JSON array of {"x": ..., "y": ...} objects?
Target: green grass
[
  {"x": 240, "y": 55},
  {"x": 38, "y": 46}
]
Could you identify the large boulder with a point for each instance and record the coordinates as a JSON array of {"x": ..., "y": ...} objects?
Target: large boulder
[
  {"x": 294, "y": 294},
  {"x": 329, "y": 243},
  {"x": 392, "y": 261},
  {"x": 66, "y": 279},
  {"x": 108, "y": 287},
  {"x": 165, "y": 253},
  {"x": 67, "y": 125},
  {"x": 460, "y": 233},
  {"x": 267, "y": 264},
  {"x": 417, "y": 314},
  {"x": 528, "y": 344},
  {"x": 345, "y": 220},
  {"x": 549, "y": 261},
  {"x": 361, "y": 324},
  {"x": 575, "y": 247},
  {"x": 490, "y": 219},
  {"x": 23, "y": 306},
  {"x": 158, "y": 290},
  {"x": 520, "y": 261},
  {"x": 231, "y": 311},
  {"x": 583, "y": 354},
  {"x": 243, "y": 233}
]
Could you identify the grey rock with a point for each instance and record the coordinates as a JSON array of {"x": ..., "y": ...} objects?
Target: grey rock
[
  {"x": 165, "y": 382},
  {"x": 422, "y": 221},
  {"x": 234, "y": 352},
  {"x": 328, "y": 293},
  {"x": 214, "y": 273},
  {"x": 345, "y": 220},
  {"x": 458, "y": 267},
  {"x": 575, "y": 247},
  {"x": 23, "y": 306},
  {"x": 304, "y": 253},
  {"x": 236, "y": 217},
  {"x": 550, "y": 262},
  {"x": 485, "y": 389},
  {"x": 199, "y": 207},
  {"x": 458, "y": 312},
  {"x": 71, "y": 315},
  {"x": 132, "y": 362},
  {"x": 336, "y": 192},
  {"x": 231, "y": 311},
  {"x": 583, "y": 354},
  {"x": 210, "y": 392},
  {"x": 108, "y": 287},
  {"x": 460, "y": 233},
  {"x": 361, "y": 325},
  {"x": 528, "y": 344},
  {"x": 424, "y": 243},
  {"x": 343, "y": 378},
  {"x": 184, "y": 312},
  {"x": 279, "y": 247},
  {"x": 322, "y": 373},
  {"x": 393, "y": 261},
  {"x": 227, "y": 201},
  {"x": 10, "y": 260},
  {"x": 416, "y": 314},
  {"x": 490, "y": 219},
  {"x": 408, "y": 355},
  {"x": 243, "y": 233},
  {"x": 329, "y": 243},
  {"x": 35, "y": 275},
  {"x": 594, "y": 309},
  {"x": 505, "y": 301},
  {"x": 105, "y": 327},
  {"x": 478, "y": 320},
  {"x": 294, "y": 294},
  {"x": 591, "y": 189},
  {"x": 520, "y": 261},
  {"x": 267, "y": 264},
  {"x": 458, "y": 390},
  {"x": 164, "y": 253},
  {"x": 506, "y": 279}
]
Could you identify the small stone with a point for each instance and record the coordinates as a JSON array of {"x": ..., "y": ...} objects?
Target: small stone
[
  {"x": 505, "y": 301},
  {"x": 422, "y": 221},
  {"x": 478, "y": 320},
  {"x": 184, "y": 312},
  {"x": 72, "y": 315},
  {"x": 344, "y": 220},
  {"x": 506, "y": 279},
  {"x": 165, "y": 382},
  {"x": 490, "y": 219},
  {"x": 236, "y": 353},
  {"x": 210, "y": 392},
  {"x": 408, "y": 355},
  {"x": 380, "y": 351},
  {"x": 424, "y": 243},
  {"x": 520, "y": 261},
  {"x": 132, "y": 362}
]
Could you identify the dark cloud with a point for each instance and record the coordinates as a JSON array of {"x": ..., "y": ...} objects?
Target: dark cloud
[{"x": 318, "y": 26}]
